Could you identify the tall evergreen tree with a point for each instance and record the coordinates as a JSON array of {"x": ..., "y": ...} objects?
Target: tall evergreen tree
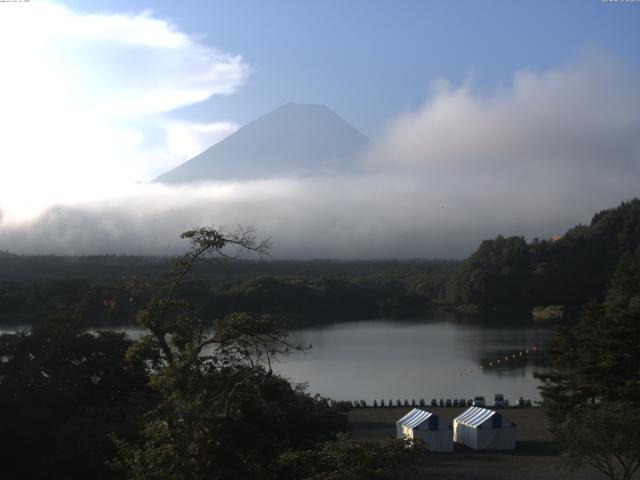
[{"x": 592, "y": 393}]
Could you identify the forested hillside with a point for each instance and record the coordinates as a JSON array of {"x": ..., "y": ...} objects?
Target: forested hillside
[
  {"x": 303, "y": 291},
  {"x": 503, "y": 272},
  {"x": 191, "y": 398},
  {"x": 568, "y": 271}
]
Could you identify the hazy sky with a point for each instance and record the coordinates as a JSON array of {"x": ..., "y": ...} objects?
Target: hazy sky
[{"x": 488, "y": 117}]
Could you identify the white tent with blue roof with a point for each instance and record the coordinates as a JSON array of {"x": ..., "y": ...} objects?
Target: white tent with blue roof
[
  {"x": 484, "y": 429},
  {"x": 427, "y": 427}
]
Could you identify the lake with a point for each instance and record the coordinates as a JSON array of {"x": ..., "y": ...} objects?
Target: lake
[{"x": 435, "y": 358}]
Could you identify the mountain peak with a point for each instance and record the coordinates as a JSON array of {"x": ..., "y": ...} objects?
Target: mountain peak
[
  {"x": 295, "y": 139},
  {"x": 298, "y": 105}
]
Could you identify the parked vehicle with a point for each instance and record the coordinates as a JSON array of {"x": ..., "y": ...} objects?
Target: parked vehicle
[
  {"x": 479, "y": 402},
  {"x": 447, "y": 403},
  {"x": 498, "y": 401},
  {"x": 463, "y": 402},
  {"x": 455, "y": 402},
  {"x": 434, "y": 402}
]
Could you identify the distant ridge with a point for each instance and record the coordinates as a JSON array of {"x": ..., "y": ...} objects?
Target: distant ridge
[{"x": 293, "y": 140}]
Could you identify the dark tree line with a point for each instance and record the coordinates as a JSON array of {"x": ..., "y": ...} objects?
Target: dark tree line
[
  {"x": 193, "y": 398},
  {"x": 592, "y": 394},
  {"x": 572, "y": 270},
  {"x": 302, "y": 299},
  {"x": 63, "y": 391}
]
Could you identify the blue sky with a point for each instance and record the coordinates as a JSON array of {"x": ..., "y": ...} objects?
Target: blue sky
[{"x": 370, "y": 60}]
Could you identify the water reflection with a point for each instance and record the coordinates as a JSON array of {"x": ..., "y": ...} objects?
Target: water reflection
[
  {"x": 420, "y": 359},
  {"x": 437, "y": 357}
]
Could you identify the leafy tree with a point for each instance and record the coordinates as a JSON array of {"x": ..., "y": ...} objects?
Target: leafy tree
[
  {"x": 346, "y": 459},
  {"x": 605, "y": 437},
  {"x": 592, "y": 394},
  {"x": 191, "y": 399},
  {"x": 222, "y": 413},
  {"x": 571, "y": 270},
  {"x": 492, "y": 275},
  {"x": 598, "y": 359},
  {"x": 63, "y": 392},
  {"x": 304, "y": 291}
]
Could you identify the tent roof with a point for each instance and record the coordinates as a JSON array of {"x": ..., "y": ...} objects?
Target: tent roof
[
  {"x": 415, "y": 418},
  {"x": 475, "y": 416}
]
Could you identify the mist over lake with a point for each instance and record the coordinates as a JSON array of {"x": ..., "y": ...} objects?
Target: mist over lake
[{"x": 232, "y": 232}]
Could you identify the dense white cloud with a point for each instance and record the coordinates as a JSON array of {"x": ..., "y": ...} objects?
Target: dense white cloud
[
  {"x": 79, "y": 94},
  {"x": 365, "y": 216},
  {"x": 117, "y": 64},
  {"x": 582, "y": 119},
  {"x": 188, "y": 139},
  {"x": 533, "y": 159}
]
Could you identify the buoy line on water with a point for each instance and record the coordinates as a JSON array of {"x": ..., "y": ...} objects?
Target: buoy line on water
[
  {"x": 501, "y": 360},
  {"x": 449, "y": 403}
]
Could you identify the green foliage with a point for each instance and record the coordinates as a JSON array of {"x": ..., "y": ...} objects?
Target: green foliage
[
  {"x": 63, "y": 392},
  {"x": 191, "y": 399},
  {"x": 606, "y": 437},
  {"x": 569, "y": 271},
  {"x": 592, "y": 393},
  {"x": 27, "y": 302},
  {"x": 201, "y": 431},
  {"x": 179, "y": 403},
  {"x": 294, "y": 297},
  {"x": 493, "y": 274},
  {"x": 347, "y": 459},
  {"x": 222, "y": 412},
  {"x": 305, "y": 291},
  {"x": 599, "y": 357}
]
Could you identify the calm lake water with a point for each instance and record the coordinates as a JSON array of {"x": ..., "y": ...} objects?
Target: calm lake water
[
  {"x": 430, "y": 358},
  {"x": 419, "y": 359}
]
